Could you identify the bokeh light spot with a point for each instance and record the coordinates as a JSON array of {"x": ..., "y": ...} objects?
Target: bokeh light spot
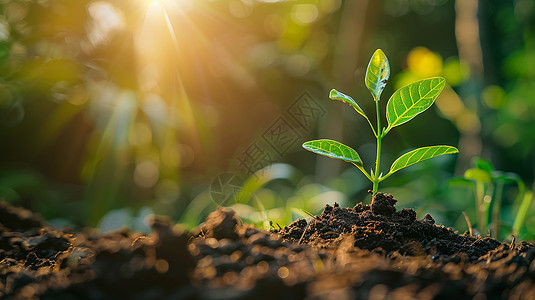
[
  {"x": 4, "y": 30},
  {"x": 16, "y": 11},
  {"x": 506, "y": 135},
  {"x": 297, "y": 65},
  {"x": 146, "y": 174},
  {"x": 494, "y": 96},
  {"x": 105, "y": 18},
  {"x": 455, "y": 71},
  {"x": 304, "y": 13},
  {"x": 140, "y": 134},
  {"x": 161, "y": 266},
  {"x": 283, "y": 272},
  {"x": 263, "y": 55},
  {"x": 424, "y": 62}
]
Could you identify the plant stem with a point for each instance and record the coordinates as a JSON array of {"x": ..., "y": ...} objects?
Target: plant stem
[
  {"x": 377, "y": 166},
  {"x": 480, "y": 207},
  {"x": 378, "y": 159},
  {"x": 496, "y": 207}
]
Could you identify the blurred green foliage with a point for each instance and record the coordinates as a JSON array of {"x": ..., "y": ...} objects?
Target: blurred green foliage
[
  {"x": 122, "y": 108},
  {"x": 489, "y": 186}
]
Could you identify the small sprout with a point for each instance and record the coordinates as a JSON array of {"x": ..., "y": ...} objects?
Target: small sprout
[
  {"x": 489, "y": 185},
  {"x": 405, "y": 104}
]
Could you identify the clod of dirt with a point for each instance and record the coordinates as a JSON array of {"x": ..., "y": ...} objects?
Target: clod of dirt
[
  {"x": 221, "y": 224},
  {"x": 383, "y": 204},
  {"x": 18, "y": 219}
]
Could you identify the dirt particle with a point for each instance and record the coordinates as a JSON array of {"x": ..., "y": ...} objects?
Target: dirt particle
[
  {"x": 429, "y": 219},
  {"x": 383, "y": 204},
  {"x": 221, "y": 224},
  {"x": 327, "y": 209}
]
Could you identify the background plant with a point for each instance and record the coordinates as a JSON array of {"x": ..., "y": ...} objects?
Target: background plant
[
  {"x": 273, "y": 196},
  {"x": 490, "y": 186}
]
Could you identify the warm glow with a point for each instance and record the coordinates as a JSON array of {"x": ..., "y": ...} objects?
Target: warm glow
[
  {"x": 173, "y": 6},
  {"x": 105, "y": 18}
]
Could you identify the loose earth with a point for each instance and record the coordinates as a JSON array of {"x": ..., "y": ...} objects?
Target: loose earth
[{"x": 364, "y": 252}]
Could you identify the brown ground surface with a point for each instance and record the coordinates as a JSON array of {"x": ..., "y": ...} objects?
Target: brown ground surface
[{"x": 364, "y": 252}]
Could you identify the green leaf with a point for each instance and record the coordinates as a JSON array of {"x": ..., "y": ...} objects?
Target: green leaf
[
  {"x": 377, "y": 74},
  {"x": 506, "y": 178},
  {"x": 333, "y": 149},
  {"x": 461, "y": 181},
  {"x": 478, "y": 175},
  {"x": 410, "y": 100},
  {"x": 483, "y": 165},
  {"x": 336, "y": 95},
  {"x": 419, "y": 155}
]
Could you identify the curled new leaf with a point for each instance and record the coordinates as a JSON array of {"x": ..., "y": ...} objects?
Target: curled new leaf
[
  {"x": 333, "y": 149},
  {"x": 336, "y": 95},
  {"x": 478, "y": 175},
  {"x": 377, "y": 74},
  {"x": 410, "y": 100},
  {"x": 419, "y": 155}
]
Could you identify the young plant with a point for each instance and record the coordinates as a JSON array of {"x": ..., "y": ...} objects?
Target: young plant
[
  {"x": 403, "y": 106},
  {"x": 489, "y": 187}
]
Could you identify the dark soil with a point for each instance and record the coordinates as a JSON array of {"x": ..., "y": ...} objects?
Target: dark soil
[{"x": 364, "y": 252}]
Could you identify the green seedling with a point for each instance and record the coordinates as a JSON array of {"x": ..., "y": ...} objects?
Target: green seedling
[
  {"x": 489, "y": 187},
  {"x": 405, "y": 104}
]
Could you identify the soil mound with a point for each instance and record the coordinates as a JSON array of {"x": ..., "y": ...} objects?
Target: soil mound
[{"x": 380, "y": 227}]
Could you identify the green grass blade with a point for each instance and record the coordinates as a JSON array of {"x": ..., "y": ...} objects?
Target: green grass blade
[
  {"x": 333, "y": 149},
  {"x": 522, "y": 213},
  {"x": 419, "y": 155},
  {"x": 336, "y": 95},
  {"x": 411, "y": 100},
  {"x": 377, "y": 74}
]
